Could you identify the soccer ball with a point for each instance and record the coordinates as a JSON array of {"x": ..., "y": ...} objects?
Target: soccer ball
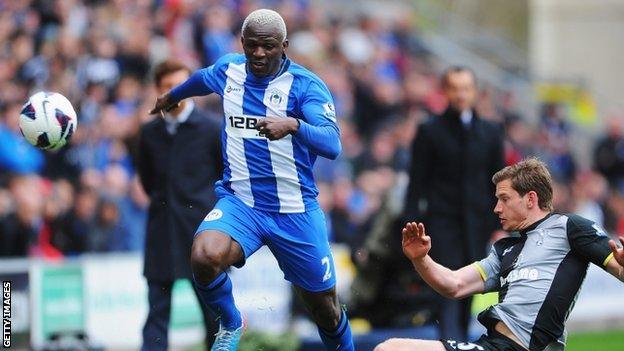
[{"x": 48, "y": 120}]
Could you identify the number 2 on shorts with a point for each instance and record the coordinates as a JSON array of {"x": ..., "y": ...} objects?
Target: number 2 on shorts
[{"x": 325, "y": 262}]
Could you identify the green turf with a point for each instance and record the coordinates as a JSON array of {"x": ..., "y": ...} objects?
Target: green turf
[{"x": 597, "y": 341}]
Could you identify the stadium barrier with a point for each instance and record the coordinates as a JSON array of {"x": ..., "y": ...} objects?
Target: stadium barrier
[{"x": 105, "y": 297}]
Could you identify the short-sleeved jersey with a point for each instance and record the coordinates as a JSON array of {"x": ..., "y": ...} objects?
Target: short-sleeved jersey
[
  {"x": 268, "y": 175},
  {"x": 538, "y": 275}
]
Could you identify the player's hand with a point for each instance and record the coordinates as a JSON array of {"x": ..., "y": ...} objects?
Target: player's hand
[
  {"x": 416, "y": 243},
  {"x": 618, "y": 252},
  {"x": 275, "y": 128},
  {"x": 164, "y": 103}
]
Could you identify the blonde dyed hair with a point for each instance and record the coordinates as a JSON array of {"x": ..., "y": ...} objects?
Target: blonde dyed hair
[{"x": 266, "y": 17}]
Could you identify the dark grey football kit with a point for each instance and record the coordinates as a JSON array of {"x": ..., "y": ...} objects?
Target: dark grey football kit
[{"x": 538, "y": 273}]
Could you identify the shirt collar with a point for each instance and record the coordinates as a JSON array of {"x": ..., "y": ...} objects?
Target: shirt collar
[
  {"x": 466, "y": 117},
  {"x": 183, "y": 116},
  {"x": 535, "y": 224}
]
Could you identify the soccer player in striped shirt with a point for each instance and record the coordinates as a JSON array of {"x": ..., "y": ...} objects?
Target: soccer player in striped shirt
[{"x": 278, "y": 118}]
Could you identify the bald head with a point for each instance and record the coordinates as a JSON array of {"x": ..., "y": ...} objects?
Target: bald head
[{"x": 266, "y": 20}]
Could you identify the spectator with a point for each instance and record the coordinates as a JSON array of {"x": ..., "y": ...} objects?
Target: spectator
[
  {"x": 16, "y": 155},
  {"x": 554, "y": 137},
  {"x": 134, "y": 208},
  {"x": 609, "y": 153},
  {"x": 453, "y": 159},
  {"x": 519, "y": 141},
  {"x": 590, "y": 192},
  {"x": 179, "y": 161},
  {"x": 217, "y": 38},
  {"x": 25, "y": 231},
  {"x": 385, "y": 290},
  {"x": 78, "y": 224},
  {"x": 16, "y": 230},
  {"x": 108, "y": 232}
]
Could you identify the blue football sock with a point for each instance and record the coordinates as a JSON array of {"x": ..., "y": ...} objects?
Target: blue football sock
[
  {"x": 218, "y": 297},
  {"x": 339, "y": 339}
]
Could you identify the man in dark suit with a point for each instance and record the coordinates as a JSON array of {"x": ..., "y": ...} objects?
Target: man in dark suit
[
  {"x": 179, "y": 160},
  {"x": 454, "y": 156}
]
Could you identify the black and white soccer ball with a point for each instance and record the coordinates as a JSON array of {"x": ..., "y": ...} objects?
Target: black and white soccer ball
[{"x": 48, "y": 120}]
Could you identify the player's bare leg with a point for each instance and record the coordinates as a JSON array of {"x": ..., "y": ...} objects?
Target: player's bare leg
[
  {"x": 332, "y": 322},
  {"x": 410, "y": 345},
  {"x": 212, "y": 253}
]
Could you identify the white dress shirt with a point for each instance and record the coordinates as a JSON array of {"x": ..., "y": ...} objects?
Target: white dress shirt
[
  {"x": 466, "y": 118},
  {"x": 173, "y": 122}
]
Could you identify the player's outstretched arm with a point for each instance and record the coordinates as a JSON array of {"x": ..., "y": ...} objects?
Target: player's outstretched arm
[
  {"x": 616, "y": 265},
  {"x": 164, "y": 103},
  {"x": 452, "y": 284}
]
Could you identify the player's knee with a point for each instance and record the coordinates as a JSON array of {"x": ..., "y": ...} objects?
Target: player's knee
[
  {"x": 206, "y": 260},
  {"x": 388, "y": 345},
  {"x": 384, "y": 346}
]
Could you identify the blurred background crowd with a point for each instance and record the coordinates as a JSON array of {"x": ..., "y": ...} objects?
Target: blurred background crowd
[{"x": 86, "y": 197}]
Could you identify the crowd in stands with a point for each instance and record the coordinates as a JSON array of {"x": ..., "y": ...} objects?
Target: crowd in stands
[{"x": 86, "y": 196}]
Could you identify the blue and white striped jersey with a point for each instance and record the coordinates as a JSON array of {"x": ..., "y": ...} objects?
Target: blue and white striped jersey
[{"x": 269, "y": 175}]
